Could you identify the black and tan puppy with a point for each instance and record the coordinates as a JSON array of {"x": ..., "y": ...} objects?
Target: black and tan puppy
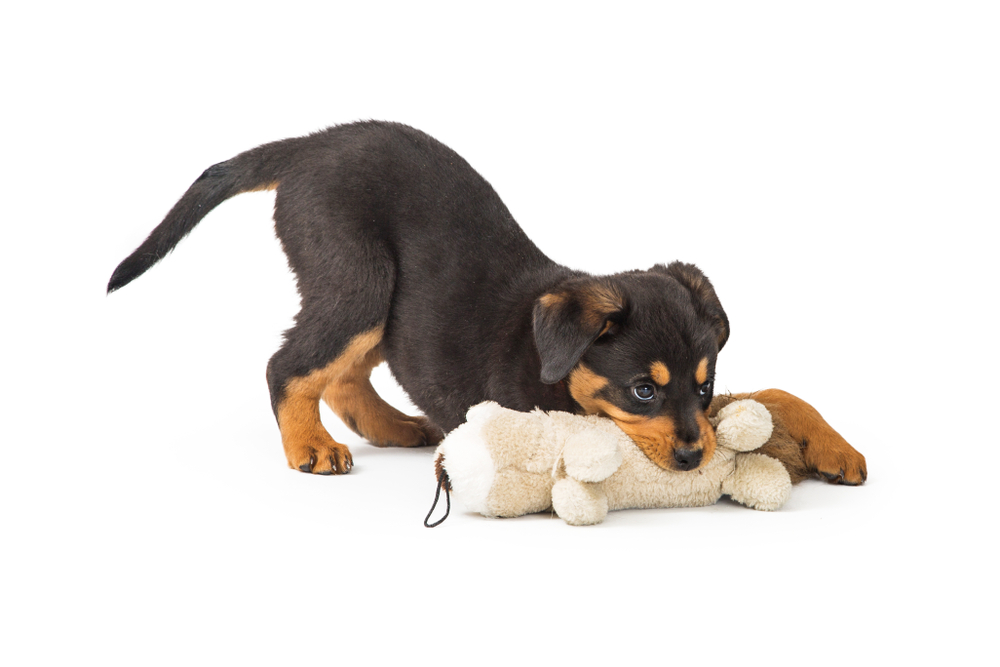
[{"x": 404, "y": 254}]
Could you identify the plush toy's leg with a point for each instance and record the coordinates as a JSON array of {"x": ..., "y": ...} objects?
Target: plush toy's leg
[
  {"x": 591, "y": 455},
  {"x": 579, "y": 503},
  {"x": 759, "y": 482},
  {"x": 823, "y": 451}
]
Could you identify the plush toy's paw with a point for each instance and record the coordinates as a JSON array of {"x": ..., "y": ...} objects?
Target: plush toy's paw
[
  {"x": 578, "y": 503},
  {"x": 483, "y": 412},
  {"x": 591, "y": 455},
  {"x": 743, "y": 425},
  {"x": 759, "y": 482}
]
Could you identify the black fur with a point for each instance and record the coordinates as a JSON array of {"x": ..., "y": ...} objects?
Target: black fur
[{"x": 384, "y": 225}]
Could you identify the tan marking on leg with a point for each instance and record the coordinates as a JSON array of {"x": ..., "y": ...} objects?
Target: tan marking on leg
[
  {"x": 701, "y": 374},
  {"x": 353, "y": 398},
  {"x": 308, "y": 446},
  {"x": 660, "y": 373},
  {"x": 825, "y": 451}
]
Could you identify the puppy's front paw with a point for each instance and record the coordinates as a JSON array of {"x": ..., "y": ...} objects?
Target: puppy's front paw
[
  {"x": 319, "y": 456},
  {"x": 834, "y": 460}
]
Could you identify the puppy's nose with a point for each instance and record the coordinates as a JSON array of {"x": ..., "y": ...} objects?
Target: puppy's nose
[{"x": 687, "y": 459}]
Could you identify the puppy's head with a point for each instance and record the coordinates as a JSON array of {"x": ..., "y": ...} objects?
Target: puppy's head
[{"x": 639, "y": 348}]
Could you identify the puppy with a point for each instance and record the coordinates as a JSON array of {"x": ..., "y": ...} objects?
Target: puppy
[{"x": 403, "y": 253}]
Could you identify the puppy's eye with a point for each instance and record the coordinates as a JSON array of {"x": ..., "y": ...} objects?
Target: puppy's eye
[
  {"x": 644, "y": 392},
  {"x": 705, "y": 389}
]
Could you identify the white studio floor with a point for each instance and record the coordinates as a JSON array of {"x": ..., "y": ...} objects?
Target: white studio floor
[{"x": 834, "y": 173}]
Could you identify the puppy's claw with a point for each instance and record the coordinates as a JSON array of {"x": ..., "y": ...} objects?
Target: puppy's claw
[
  {"x": 857, "y": 478},
  {"x": 834, "y": 478},
  {"x": 324, "y": 458}
]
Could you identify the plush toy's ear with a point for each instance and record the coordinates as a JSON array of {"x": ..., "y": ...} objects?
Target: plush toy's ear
[
  {"x": 706, "y": 302},
  {"x": 569, "y": 319}
]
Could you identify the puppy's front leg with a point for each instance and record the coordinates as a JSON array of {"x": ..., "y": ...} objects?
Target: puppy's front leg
[{"x": 825, "y": 452}]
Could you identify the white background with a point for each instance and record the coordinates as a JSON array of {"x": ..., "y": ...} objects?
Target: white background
[{"x": 834, "y": 171}]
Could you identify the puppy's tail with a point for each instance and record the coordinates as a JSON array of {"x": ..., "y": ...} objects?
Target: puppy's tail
[{"x": 257, "y": 169}]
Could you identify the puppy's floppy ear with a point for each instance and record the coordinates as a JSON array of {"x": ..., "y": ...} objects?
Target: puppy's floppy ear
[
  {"x": 706, "y": 303},
  {"x": 567, "y": 320}
]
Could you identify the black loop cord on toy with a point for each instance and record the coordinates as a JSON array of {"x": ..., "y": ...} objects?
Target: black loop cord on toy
[{"x": 437, "y": 494}]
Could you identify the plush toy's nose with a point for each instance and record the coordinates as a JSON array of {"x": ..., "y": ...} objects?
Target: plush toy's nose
[{"x": 687, "y": 459}]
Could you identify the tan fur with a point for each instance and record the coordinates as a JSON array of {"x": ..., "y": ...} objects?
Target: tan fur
[
  {"x": 307, "y": 444},
  {"x": 552, "y": 300},
  {"x": 265, "y": 187},
  {"x": 584, "y": 385},
  {"x": 353, "y": 399},
  {"x": 598, "y": 302},
  {"x": 701, "y": 374},
  {"x": 660, "y": 373}
]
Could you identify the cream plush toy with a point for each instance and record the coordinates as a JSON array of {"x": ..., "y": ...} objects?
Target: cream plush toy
[{"x": 504, "y": 463}]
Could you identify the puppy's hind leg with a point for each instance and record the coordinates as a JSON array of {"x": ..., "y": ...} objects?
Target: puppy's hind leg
[
  {"x": 297, "y": 376},
  {"x": 330, "y": 354},
  {"x": 341, "y": 379},
  {"x": 353, "y": 398}
]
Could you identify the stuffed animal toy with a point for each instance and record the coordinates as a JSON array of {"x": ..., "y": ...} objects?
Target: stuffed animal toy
[{"x": 504, "y": 463}]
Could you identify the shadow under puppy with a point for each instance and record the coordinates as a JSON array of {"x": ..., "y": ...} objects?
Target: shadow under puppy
[{"x": 403, "y": 253}]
